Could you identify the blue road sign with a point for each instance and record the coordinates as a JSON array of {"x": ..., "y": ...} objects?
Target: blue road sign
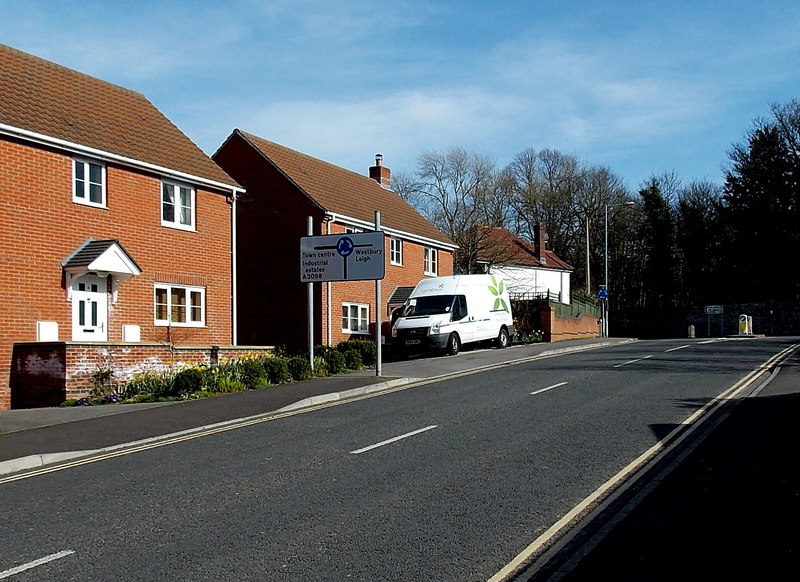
[{"x": 602, "y": 293}]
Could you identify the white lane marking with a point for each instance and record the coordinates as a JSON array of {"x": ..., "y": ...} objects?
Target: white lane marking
[
  {"x": 35, "y": 563},
  {"x": 393, "y": 440},
  {"x": 678, "y": 348},
  {"x": 632, "y": 361},
  {"x": 549, "y": 388}
]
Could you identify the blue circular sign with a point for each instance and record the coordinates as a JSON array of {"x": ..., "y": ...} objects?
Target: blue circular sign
[
  {"x": 602, "y": 293},
  {"x": 344, "y": 246}
]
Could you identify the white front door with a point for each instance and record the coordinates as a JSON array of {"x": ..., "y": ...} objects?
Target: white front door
[{"x": 89, "y": 309}]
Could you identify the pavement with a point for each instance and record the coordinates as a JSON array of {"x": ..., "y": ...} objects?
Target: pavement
[{"x": 727, "y": 509}]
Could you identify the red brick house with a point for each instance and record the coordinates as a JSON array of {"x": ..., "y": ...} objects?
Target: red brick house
[
  {"x": 285, "y": 187},
  {"x": 116, "y": 235}
]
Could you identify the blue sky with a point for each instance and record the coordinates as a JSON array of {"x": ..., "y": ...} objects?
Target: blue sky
[{"x": 640, "y": 87}]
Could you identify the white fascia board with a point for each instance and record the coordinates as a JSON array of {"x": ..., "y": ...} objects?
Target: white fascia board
[
  {"x": 391, "y": 231},
  {"x": 113, "y": 260},
  {"x": 108, "y": 156}
]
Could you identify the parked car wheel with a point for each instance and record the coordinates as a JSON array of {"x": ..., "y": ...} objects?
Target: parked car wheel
[
  {"x": 453, "y": 344},
  {"x": 503, "y": 339}
]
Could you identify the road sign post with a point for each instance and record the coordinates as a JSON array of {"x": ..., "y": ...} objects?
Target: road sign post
[
  {"x": 602, "y": 294},
  {"x": 344, "y": 257},
  {"x": 714, "y": 310}
]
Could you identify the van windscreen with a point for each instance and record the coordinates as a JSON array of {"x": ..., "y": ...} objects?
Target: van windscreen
[{"x": 431, "y": 305}]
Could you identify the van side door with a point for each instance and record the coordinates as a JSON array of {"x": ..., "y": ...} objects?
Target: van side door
[{"x": 462, "y": 320}]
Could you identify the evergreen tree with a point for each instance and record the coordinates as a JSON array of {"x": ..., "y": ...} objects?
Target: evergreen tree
[
  {"x": 761, "y": 217},
  {"x": 698, "y": 241},
  {"x": 657, "y": 234}
]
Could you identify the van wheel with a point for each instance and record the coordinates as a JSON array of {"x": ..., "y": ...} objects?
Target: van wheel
[
  {"x": 503, "y": 339},
  {"x": 453, "y": 344}
]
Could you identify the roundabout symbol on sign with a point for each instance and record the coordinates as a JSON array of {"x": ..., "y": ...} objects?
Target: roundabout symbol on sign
[{"x": 345, "y": 246}]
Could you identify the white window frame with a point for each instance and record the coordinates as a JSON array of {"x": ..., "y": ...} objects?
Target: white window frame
[
  {"x": 188, "y": 306},
  {"x": 396, "y": 251},
  {"x": 352, "y": 230},
  {"x": 363, "y": 316},
  {"x": 82, "y": 194},
  {"x": 430, "y": 261},
  {"x": 177, "y": 205}
]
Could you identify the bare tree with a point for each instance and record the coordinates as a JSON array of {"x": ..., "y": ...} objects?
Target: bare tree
[
  {"x": 461, "y": 192},
  {"x": 570, "y": 198}
]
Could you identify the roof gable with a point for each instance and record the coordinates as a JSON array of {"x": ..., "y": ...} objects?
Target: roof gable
[
  {"x": 343, "y": 192},
  {"x": 47, "y": 99},
  {"x": 512, "y": 250},
  {"x": 107, "y": 256}
]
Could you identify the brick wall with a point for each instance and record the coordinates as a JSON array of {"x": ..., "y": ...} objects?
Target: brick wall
[
  {"x": 48, "y": 373},
  {"x": 41, "y": 226},
  {"x": 272, "y": 300},
  {"x": 406, "y": 275},
  {"x": 272, "y": 217},
  {"x": 557, "y": 328}
]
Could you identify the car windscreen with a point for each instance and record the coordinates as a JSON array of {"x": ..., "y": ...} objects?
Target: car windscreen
[{"x": 430, "y": 305}]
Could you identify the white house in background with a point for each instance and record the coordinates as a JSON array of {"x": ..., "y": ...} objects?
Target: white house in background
[{"x": 527, "y": 269}]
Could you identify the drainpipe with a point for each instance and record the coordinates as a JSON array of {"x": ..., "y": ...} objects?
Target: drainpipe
[{"x": 234, "y": 284}]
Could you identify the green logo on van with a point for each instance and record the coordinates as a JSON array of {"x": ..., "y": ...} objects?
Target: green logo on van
[{"x": 496, "y": 289}]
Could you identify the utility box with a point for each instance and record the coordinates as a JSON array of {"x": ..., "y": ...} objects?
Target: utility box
[
  {"x": 745, "y": 324},
  {"x": 46, "y": 331}
]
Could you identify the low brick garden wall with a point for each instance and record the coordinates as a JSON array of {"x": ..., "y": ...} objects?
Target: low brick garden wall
[
  {"x": 48, "y": 373},
  {"x": 558, "y": 328}
]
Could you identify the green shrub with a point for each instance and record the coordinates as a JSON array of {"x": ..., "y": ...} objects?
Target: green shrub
[
  {"x": 366, "y": 348},
  {"x": 352, "y": 360},
  {"x": 320, "y": 367},
  {"x": 230, "y": 385},
  {"x": 299, "y": 368},
  {"x": 263, "y": 383},
  {"x": 187, "y": 380},
  {"x": 252, "y": 372},
  {"x": 277, "y": 370},
  {"x": 334, "y": 359},
  {"x": 148, "y": 382}
]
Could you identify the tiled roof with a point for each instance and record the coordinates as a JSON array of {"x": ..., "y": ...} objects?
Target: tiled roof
[
  {"x": 400, "y": 294},
  {"x": 47, "y": 99},
  {"x": 499, "y": 242},
  {"x": 344, "y": 192},
  {"x": 91, "y": 250}
]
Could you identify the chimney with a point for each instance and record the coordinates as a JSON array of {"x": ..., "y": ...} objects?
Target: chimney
[
  {"x": 380, "y": 173},
  {"x": 540, "y": 242}
]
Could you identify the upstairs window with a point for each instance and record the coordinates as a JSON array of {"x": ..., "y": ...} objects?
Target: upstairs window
[
  {"x": 177, "y": 205},
  {"x": 396, "y": 251},
  {"x": 430, "y": 261},
  {"x": 89, "y": 183}
]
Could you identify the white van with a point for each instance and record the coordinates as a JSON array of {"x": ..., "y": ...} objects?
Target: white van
[{"x": 448, "y": 312}]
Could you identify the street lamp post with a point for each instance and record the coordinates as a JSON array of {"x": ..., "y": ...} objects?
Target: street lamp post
[{"x": 604, "y": 301}]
